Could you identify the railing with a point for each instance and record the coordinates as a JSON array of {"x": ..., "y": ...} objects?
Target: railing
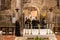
[
  {"x": 8, "y": 30},
  {"x": 6, "y": 26}
]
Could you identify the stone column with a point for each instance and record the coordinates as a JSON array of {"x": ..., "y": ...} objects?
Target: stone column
[
  {"x": 0, "y": 2},
  {"x": 18, "y": 3},
  {"x": 18, "y": 6},
  {"x": 58, "y": 3}
]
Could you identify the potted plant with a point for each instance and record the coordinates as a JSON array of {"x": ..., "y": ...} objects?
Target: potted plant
[
  {"x": 36, "y": 38},
  {"x": 40, "y": 38}
]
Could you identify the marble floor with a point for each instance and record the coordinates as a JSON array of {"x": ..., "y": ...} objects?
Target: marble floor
[{"x": 12, "y": 37}]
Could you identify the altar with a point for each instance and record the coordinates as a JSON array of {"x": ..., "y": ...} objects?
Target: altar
[{"x": 44, "y": 33}]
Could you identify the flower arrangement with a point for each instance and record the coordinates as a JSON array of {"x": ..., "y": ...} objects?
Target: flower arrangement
[{"x": 36, "y": 38}]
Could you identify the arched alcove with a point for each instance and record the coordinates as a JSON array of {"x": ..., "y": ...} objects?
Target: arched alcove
[{"x": 32, "y": 8}]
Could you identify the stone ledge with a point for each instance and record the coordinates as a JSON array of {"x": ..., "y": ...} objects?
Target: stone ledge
[{"x": 21, "y": 38}]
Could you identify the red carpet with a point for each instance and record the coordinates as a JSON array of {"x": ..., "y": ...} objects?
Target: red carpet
[
  {"x": 58, "y": 37},
  {"x": 7, "y": 37}
]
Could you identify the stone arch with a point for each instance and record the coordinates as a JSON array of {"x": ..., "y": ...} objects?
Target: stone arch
[{"x": 33, "y": 5}]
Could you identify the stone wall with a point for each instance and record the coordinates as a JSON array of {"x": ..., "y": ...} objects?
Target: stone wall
[
  {"x": 6, "y": 14},
  {"x": 38, "y": 4}
]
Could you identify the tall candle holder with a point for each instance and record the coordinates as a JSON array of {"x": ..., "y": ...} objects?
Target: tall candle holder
[
  {"x": 31, "y": 27},
  {"x": 25, "y": 31},
  {"x": 47, "y": 29},
  {"x": 39, "y": 30},
  {"x": 52, "y": 28}
]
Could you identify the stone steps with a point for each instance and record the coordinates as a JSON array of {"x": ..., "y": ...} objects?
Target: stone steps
[{"x": 21, "y": 38}]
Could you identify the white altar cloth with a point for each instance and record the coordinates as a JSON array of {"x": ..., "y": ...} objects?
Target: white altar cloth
[
  {"x": 46, "y": 33},
  {"x": 0, "y": 32}
]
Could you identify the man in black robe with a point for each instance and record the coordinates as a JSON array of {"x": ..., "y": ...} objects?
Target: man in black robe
[
  {"x": 28, "y": 23},
  {"x": 17, "y": 28},
  {"x": 42, "y": 23}
]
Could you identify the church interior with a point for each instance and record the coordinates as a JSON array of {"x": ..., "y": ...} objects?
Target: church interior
[{"x": 29, "y": 19}]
